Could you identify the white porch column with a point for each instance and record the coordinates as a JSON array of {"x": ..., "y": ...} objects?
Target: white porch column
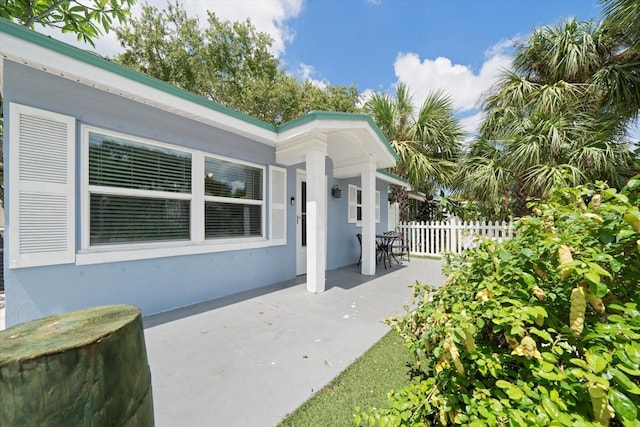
[
  {"x": 316, "y": 220},
  {"x": 369, "y": 219}
]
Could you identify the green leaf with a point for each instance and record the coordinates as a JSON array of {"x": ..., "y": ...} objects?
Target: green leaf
[
  {"x": 503, "y": 384},
  {"x": 633, "y": 351},
  {"x": 592, "y": 277},
  {"x": 598, "y": 269},
  {"x": 596, "y": 362},
  {"x": 581, "y": 363},
  {"x": 514, "y": 393},
  {"x": 542, "y": 334},
  {"x": 623, "y": 406},
  {"x": 606, "y": 236},
  {"x": 625, "y": 232},
  {"x": 550, "y": 408},
  {"x": 599, "y": 289},
  {"x": 630, "y": 371},
  {"x": 624, "y": 381},
  {"x": 552, "y": 376}
]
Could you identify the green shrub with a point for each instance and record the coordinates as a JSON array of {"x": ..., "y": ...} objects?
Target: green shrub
[{"x": 542, "y": 329}]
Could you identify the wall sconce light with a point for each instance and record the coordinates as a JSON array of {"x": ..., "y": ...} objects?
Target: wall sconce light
[
  {"x": 336, "y": 192},
  {"x": 292, "y": 201}
]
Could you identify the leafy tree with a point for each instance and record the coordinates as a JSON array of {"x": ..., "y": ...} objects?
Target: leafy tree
[
  {"x": 427, "y": 143},
  {"x": 558, "y": 119},
  {"x": 87, "y": 18},
  {"x": 227, "y": 62},
  {"x": 542, "y": 329}
]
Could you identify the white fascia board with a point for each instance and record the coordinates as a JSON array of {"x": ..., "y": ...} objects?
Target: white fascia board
[
  {"x": 391, "y": 180},
  {"x": 367, "y": 136},
  {"x": 38, "y": 57}
]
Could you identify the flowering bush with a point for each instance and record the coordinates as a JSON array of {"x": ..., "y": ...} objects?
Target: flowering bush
[{"x": 542, "y": 329}]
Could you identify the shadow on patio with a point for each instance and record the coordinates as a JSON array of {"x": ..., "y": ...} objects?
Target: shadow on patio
[
  {"x": 249, "y": 359},
  {"x": 344, "y": 277}
]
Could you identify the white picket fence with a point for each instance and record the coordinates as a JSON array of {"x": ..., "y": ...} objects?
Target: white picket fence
[{"x": 433, "y": 238}]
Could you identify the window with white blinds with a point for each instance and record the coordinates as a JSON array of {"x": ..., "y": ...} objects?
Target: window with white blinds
[
  {"x": 139, "y": 192},
  {"x": 234, "y": 199}
]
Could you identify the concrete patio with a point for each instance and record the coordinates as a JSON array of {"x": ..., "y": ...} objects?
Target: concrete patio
[{"x": 250, "y": 359}]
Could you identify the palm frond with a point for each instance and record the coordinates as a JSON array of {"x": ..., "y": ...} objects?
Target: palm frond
[{"x": 540, "y": 179}]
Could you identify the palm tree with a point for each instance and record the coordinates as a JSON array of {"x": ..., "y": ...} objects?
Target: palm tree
[
  {"x": 551, "y": 121},
  {"x": 427, "y": 144},
  {"x": 621, "y": 81}
]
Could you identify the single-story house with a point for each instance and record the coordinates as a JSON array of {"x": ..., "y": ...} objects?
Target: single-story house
[{"x": 120, "y": 188}]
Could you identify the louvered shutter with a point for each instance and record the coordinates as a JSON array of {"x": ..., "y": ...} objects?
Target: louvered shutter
[
  {"x": 377, "y": 206},
  {"x": 42, "y": 187},
  {"x": 353, "y": 203},
  {"x": 278, "y": 206}
]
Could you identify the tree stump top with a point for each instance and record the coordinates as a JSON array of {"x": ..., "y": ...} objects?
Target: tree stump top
[{"x": 58, "y": 333}]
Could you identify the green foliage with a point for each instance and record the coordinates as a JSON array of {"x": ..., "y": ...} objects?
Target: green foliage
[
  {"x": 427, "y": 143},
  {"x": 542, "y": 329},
  {"x": 85, "y": 18},
  {"x": 230, "y": 63},
  {"x": 559, "y": 118}
]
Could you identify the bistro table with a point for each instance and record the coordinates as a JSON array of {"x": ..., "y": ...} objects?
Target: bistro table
[{"x": 384, "y": 246}]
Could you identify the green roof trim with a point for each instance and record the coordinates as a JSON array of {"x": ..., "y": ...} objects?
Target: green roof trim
[
  {"x": 93, "y": 59},
  {"x": 89, "y": 58},
  {"x": 337, "y": 115},
  {"x": 391, "y": 175}
]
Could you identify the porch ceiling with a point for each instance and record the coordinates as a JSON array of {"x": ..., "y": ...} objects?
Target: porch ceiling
[{"x": 350, "y": 140}]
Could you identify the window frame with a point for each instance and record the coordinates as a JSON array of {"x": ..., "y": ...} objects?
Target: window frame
[
  {"x": 356, "y": 205},
  {"x": 196, "y": 244},
  {"x": 236, "y": 201}
]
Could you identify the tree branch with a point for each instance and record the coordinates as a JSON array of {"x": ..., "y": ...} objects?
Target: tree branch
[{"x": 33, "y": 18}]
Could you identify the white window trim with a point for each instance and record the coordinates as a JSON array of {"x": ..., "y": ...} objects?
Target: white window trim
[
  {"x": 197, "y": 244},
  {"x": 356, "y": 204}
]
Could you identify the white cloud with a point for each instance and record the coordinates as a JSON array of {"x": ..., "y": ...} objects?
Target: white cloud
[
  {"x": 365, "y": 96},
  {"x": 465, "y": 86},
  {"x": 306, "y": 71},
  {"x": 268, "y": 16},
  {"x": 471, "y": 124}
]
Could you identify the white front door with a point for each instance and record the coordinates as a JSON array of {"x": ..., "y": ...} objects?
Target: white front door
[{"x": 301, "y": 222}]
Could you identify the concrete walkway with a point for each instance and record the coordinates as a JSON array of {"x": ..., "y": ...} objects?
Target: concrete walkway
[{"x": 252, "y": 358}]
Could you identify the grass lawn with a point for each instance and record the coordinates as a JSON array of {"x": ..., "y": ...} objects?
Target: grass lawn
[{"x": 365, "y": 383}]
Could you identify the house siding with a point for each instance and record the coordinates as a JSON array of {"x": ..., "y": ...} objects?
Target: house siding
[
  {"x": 157, "y": 284},
  {"x": 163, "y": 283},
  {"x": 341, "y": 235}
]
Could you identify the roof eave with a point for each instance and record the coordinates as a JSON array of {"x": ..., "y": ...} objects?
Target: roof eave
[{"x": 36, "y": 50}]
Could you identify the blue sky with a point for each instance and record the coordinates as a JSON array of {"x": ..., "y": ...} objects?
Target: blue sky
[{"x": 457, "y": 46}]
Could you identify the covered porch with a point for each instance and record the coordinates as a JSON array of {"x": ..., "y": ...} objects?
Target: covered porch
[{"x": 357, "y": 149}]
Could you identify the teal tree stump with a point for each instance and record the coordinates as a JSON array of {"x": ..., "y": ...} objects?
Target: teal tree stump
[{"x": 83, "y": 368}]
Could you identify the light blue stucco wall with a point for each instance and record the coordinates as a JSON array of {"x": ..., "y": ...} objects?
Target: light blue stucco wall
[
  {"x": 343, "y": 247},
  {"x": 154, "y": 285},
  {"x": 158, "y": 284}
]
